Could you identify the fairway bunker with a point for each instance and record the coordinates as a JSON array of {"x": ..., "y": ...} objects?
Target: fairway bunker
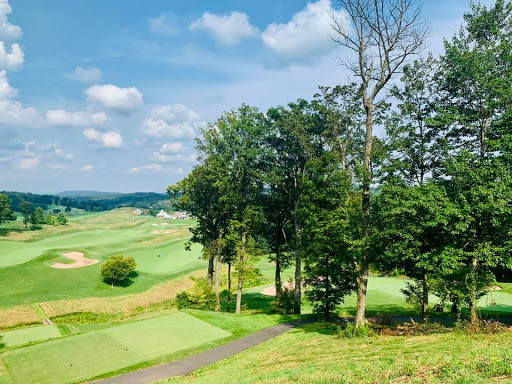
[
  {"x": 271, "y": 291},
  {"x": 78, "y": 257}
]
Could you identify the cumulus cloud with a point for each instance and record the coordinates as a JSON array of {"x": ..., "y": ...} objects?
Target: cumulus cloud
[
  {"x": 115, "y": 98},
  {"x": 109, "y": 139},
  {"x": 28, "y": 164},
  {"x": 11, "y": 111},
  {"x": 63, "y": 118},
  {"x": 175, "y": 121},
  {"x": 85, "y": 75},
  {"x": 226, "y": 30},
  {"x": 164, "y": 25},
  {"x": 48, "y": 155},
  {"x": 8, "y": 31},
  {"x": 155, "y": 168},
  {"x": 87, "y": 168},
  {"x": 175, "y": 147},
  {"x": 306, "y": 35},
  {"x": 11, "y": 61}
]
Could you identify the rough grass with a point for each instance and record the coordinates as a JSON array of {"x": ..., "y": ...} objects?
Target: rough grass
[{"x": 312, "y": 354}]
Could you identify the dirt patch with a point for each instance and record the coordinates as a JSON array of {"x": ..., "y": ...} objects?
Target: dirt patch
[
  {"x": 271, "y": 291},
  {"x": 164, "y": 231},
  {"x": 79, "y": 261},
  {"x": 18, "y": 315}
]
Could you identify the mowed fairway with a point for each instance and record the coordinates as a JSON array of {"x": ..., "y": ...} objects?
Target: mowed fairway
[
  {"x": 98, "y": 236},
  {"x": 87, "y": 355}
]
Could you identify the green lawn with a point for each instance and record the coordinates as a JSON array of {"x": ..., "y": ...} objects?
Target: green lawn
[
  {"x": 312, "y": 355},
  {"x": 29, "y": 335},
  {"x": 94, "y": 353}
]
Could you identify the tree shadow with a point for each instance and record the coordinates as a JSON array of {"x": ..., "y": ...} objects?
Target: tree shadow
[
  {"x": 6, "y": 231},
  {"x": 125, "y": 283}
]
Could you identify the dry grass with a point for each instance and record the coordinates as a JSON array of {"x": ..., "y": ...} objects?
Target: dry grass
[
  {"x": 17, "y": 315},
  {"x": 120, "y": 304}
]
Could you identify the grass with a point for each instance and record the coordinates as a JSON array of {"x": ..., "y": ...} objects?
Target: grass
[
  {"x": 94, "y": 353},
  {"x": 311, "y": 354},
  {"x": 29, "y": 335}
]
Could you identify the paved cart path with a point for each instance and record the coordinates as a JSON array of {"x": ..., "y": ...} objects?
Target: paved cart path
[{"x": 190, "y": 364}]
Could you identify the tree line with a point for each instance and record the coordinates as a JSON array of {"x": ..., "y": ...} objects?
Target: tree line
[{"x": 311, "y": 185}]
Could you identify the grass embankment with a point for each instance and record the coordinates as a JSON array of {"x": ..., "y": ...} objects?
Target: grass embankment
[{"x": 313, "y": 355}]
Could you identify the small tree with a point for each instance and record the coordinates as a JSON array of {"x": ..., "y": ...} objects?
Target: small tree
[
  {"x": 6, "y": 213},
  {"x": 38, "y": 216},
  {"x": 118, "y": 269},
  {"x": 26, "y": 210},
  {"x": 61, "y": 219}
]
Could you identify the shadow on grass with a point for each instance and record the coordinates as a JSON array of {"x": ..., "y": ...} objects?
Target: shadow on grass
[
  {"x": 6, "y": 231},
  {"x": 125, "y": 283}
]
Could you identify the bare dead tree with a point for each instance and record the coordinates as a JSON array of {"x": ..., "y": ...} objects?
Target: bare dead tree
[{"x": 381, "y": 35}]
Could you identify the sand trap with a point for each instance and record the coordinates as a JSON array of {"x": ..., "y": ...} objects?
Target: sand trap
[
  {"x": 164, "y": 231},
  {"x": 78, "y": 257},
  {"x": 163, "y": 224},
  {"x": 271, "y": 291}
]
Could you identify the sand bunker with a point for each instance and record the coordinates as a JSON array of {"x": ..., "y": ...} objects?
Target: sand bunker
[
  {"x": 271, "y": 291},
  {"x": 164, "y": 231},
  {"x": 78, "y": 257},
  {"x": 163, "y": 224}
]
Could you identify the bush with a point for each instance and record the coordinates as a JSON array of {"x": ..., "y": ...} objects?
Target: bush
[
  {"x": 201, "y": 297},
  {"x": 117, "y": 269},
  {"x": 351, "y": 332},
  {"x": 488, "y": 327},
  {"x": 285, "y": 301}
]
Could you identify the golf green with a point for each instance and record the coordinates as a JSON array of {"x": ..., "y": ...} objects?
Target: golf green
[
  {"x": 29, "y": 335},
  {"x": 91, "y": 354}
]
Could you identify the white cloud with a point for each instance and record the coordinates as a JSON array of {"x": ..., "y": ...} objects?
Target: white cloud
[
  {"x": 28, "y": 164},
  {"x": 175, "y": 147},
  {"x": 11, "y": 61},
  {"x": 176, "y": 121},
  {"x": 174, "y": 113},
  {"x": 63, "y": 118},
  {"x": 164, "y": 25},
  {"x": 85, "y": 75},
  {"x": 181, "y": 158},
  {"x": 8, "y": 31},
  {"x": 149, "y": 167},
  {"x": 13, "y": 112},
  {"x": 109, "y": 139},
  {"x": 87, "y": 168},
  {"x": 159, "y": 128},
  {"x": 115, "y": 98},
  {"x": 226, "y": 30},
  {"x": 307, "y": 34}
]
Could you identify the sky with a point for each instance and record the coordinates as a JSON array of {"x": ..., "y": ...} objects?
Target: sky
[{"x": 109, "y": 95}]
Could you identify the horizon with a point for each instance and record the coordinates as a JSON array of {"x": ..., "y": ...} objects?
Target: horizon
[{"x": 117, "y": 106}]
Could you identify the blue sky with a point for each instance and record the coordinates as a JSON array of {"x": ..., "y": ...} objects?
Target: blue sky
[{"x": 109, "y": 95}]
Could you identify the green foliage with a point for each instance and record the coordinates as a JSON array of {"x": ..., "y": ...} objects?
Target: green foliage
[
  {"x": 350, "y": 331},
  {"x": 61, "y": 219},
  {"x": 117, "y": 269},
  {"x": 50, "y": 219},
  {"x": 38, "y": 216},
  {"x": 200, "y": 297},
  {"x": 6, "y": 212}
]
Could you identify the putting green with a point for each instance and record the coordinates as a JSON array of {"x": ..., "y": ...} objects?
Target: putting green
[
  {"x": 29, "y": 335},
  {"x": 87, "y": 355}
]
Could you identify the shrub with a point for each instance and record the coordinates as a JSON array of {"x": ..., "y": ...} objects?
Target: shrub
[
  {"x": 488, "y": 327},
  {"x": 200, "y": 297},
  {"x": 117, "y": 269},
  {"x": 351, "y": 331},
  {"x": 285, "y": 301}
]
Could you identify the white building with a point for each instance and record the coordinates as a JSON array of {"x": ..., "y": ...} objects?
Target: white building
[{"x": 163, "y": 215}]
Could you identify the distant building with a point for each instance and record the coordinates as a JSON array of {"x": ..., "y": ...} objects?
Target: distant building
[
  {"x": 180, "y": 216},
  {"x": 163, "y": 215},
  {"x": 137, "y": 212}
]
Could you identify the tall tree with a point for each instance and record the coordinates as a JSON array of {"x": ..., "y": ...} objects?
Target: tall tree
[
  {"x": 26, "y": 210},
  {"x": 383, "y": 34},
  {"x": 6, "y": 212}
]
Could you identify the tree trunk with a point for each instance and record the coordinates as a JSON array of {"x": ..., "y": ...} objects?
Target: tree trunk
[
  {"x": 424, "y": 299},
  {"x": 229, "y": 288},
  {"x": 211, "y": 260},
  {"x": 278, "y": 273},
  {"x": 298, "y": 269},
  {"x": 241, "y": 274},
  {"x": 473, "y": 314},
  {"x": 217, "y": 281},
  {"x": 364, "y": 265}
]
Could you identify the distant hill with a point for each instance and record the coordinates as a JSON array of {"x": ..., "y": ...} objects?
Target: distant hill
[
  {"x": 87, "y": 194},
  {"x": 92, "y": 201}
]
